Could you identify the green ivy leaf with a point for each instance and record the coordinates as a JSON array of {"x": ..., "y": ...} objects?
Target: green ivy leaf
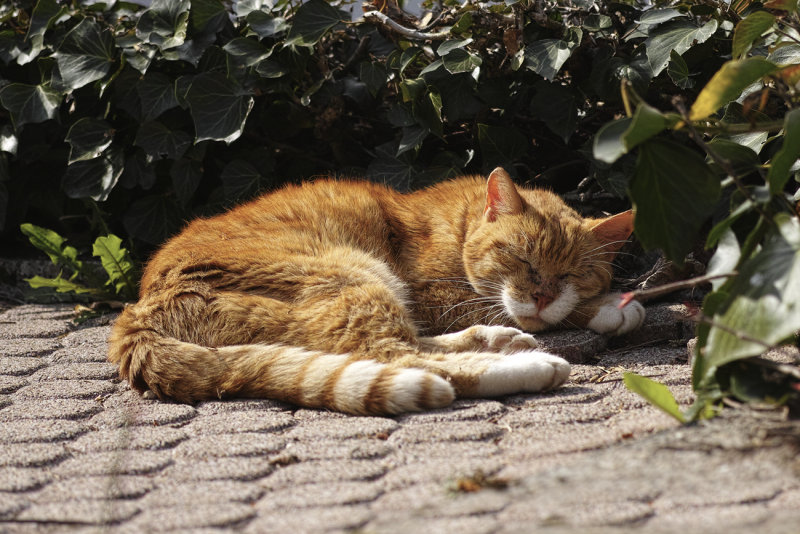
[
  {"x": 85, "y": 55},
  {"x": 152, "y": 219},
  {"x": 208, "y": 16},
  {"x": 500, "y": 146},
  {"x": 748, "y": 30},
  {"x": 312, "y": 20},
  {"x": 246, "y": 51},
  {"x": 186, "y": 175},
  {"x": 673, "y": 192},
  {"x": 93, "y": 178},
  {"x": 413, "y": 136},
  {"x": 619, "y": 137},
  {"x": 42, "y": 17},
  {"x": 164, "y": 24},
  {"x": 117, "y": 263},
  {"x": 218, "y": 107},
  {"x": 459, "y": 60},
  {"x": 265, "y": 25},
  {"x": 788, "y": 154},
  {"x": 557, "y": 107},
  {"x": 374, "y": 75},
  {"x": 728, "y": 83},
  {"x": 678, "y": 71},
  {"x": 678, "y": 36},
  {"x": 159, "y": 141},
  {"x": 157, "y": 94},
  {"x": 608, "y": 145},
  {"x": 547, "y": 56},
  {"x": 29, "y": 103},
  {"x": 88, "y": 138},
  {"x": 240, "y": 180},
  {"x": 655, "y": 393}
]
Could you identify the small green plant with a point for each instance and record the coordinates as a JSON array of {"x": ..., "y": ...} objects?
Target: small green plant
[{"x": 121, "y": 279}]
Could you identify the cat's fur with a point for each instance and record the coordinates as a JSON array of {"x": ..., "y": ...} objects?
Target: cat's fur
[{"x": 353, "y": 297}]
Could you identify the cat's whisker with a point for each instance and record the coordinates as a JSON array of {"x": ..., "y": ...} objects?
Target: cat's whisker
[{"x": 608, "y": 244}]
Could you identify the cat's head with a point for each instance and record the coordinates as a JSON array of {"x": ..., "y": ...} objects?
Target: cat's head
[{"x": 537, "y": 256}]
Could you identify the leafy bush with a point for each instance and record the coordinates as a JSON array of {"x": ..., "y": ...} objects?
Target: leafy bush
[{"x": 144, "y": 118}]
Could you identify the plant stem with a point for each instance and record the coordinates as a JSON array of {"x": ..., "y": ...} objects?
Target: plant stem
[{"x": 643, "y": 295}]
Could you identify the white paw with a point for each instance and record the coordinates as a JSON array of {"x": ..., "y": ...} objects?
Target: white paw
[
  {"x": 523, "y": 372},
  {"x": 504, "y": 339},
  {"x": 613, "y": 320}
]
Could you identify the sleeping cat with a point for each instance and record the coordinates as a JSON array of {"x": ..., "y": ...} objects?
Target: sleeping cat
[{"x": 350, "y": 296}]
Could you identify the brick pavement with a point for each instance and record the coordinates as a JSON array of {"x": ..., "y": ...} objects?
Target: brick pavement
[{"x": 80, "y": 452}]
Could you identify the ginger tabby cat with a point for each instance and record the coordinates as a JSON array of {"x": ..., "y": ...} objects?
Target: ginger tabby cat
[{"x": 350, "y": 296}]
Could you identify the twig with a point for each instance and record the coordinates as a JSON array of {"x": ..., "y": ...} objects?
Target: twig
[
  {"x": 700, "y": 318},
  {"x": 407, "y": 32},
  {"x": 643, "y": 295}
]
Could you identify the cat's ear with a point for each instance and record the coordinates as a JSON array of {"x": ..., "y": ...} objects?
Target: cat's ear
[
  {"x": 614, "y": 231},
  {"x": 502, "y": 197}
]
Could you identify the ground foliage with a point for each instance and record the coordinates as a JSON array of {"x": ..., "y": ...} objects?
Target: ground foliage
[{"x": 132, "y": 120}]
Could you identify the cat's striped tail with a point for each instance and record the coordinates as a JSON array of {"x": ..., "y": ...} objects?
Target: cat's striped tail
[{"x": 187, "y": 372}]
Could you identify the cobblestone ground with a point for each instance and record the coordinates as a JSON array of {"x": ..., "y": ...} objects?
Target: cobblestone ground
[{"x": 80, "y": 451}]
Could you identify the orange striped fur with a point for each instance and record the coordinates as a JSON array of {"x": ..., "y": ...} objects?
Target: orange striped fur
[{"x": 350, "y": 296}]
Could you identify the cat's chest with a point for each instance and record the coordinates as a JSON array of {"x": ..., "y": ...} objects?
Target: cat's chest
[{"x": 449, "y": 306}]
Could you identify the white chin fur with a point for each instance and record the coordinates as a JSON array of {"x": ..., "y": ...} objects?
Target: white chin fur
[{"x": 552, "y": 314}]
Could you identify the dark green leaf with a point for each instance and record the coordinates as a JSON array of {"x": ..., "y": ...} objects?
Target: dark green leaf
[
  {"x": 218, "y": 107},
  {"x": 86, "y": 54},
  {"x": 655, "y": 393},
  {"x": 117, "y": 263},
  {"x": 547, "y": 56},
  {"x": 61, "y": 285},
  {"x": 311, "y": 21},
  {"x": 88, "y": 138},
  {"x": 270, "y": 69},
  {"x": 608, "y": 145},
  {"x": 208, "y": 16},
  {"x": 159, "y": 141},
  {"x": 266, "y": 25},
  {"x": 459, "y": 60},
  {"x": 786, "y": 157},
  {"x": 138, "y": 171},
  {"x": 157, "y": 94},
  {"x": 678, "y": 71},
  {"x": 647, "y": 122},
  {"x": 93, "y": 178},
  {"x": 240, "y": 180},
  {"x": 557, "y": 107},
  {"x": 165, "y": 23},
  {"x": 29, "y": 103},
  {"x": 677, "y": 35},
  {"x": 448, "y": 46},
  {"x": 3, "y": 202},
  {"x": 152, "y": 219},
  {"x": 674, "y": 192},
  {"x": 45, "y": 12},
  {"x": 373, "y": 74},
  {"x": 500, "y": 146},
  {"x": 659, "y": 16},
  {"x": 412, "y": 138},
  {"x": 246, "y": 51},
  {"x": 748, "y": 30},
  {"x": 9, "y": 142},
  {"x": 741, "y": 158},
  {"x": 594, "y": 22},
  {"x": 186, "y": 175}
]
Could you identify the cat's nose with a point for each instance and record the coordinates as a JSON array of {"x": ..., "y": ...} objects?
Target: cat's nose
[{"x": 542, "y": 301}]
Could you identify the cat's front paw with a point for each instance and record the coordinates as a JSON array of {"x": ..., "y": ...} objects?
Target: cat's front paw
[
  {"x": 503, "y": 339},
  {"x": 523, "y": 372},
  {"x": 610, "y": 319}
]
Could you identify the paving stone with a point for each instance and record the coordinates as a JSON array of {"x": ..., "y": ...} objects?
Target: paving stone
[
  {"x": 190, "y": 516},
  {"x": 460, "y": 410},
  {"x": 595, "y": 512},
  {"x": 576, "y": 346},
  {"x": 77, "y": 371},
  {"x": 38, "y": 430},
  {"x": 446, "y": 450},
  {"x": 23, "y": 478},
  {"x": 438, "y": 500},
  {"x": 172, "y": 493},
  {"x": 4, "y": 401},
  {"x": 243, "y": 421},
  {"x": 47, "y": 328},
  {"x": 12, "y": 503},
  {"x": 10, "y": 384},
  {"x": 32, "y": 454},
  {"x": 338, "y": 519},
  {"x": 662, "y": 323},
  {"x": 441, "y": 473},
  {"x": 241, "y": 405},
  {"x": 122, "y": 462},
  {"x": 451, "y": 431},
  {"x": 97, "y": 512},
  {"x": 20, "y": 365},
  {"x": 354, "y": 427},
  {"x": 66, "y": 389},
  {"x": 484, "y": 524},
  {"x": 332, "y": 449},
  {"x": 95, "y": 487},
  {"x": 80, "y": 354},
  {"x": 144, "y": 413},
  {"x": 212, "y": 468},
  {"x": 244, "y": 444},
  {"x": 314, "y": 495},
  {"x": 28, "y": 346},
  {"x": 26, "y": 312},
  {"x": 50, "y": 409},
  {"x": 324, "y": 471},
  {"x": 132, "y": 437},
  {"x": 96, "y": 335}
]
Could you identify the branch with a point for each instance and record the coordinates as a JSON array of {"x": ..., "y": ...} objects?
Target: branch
[
  {"x": 406, "y": 32},
  {"x": 646, "y": 294}
]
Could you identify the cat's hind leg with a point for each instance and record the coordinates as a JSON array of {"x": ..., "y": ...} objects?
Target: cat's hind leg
[{"x": 481, "y": 338}]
